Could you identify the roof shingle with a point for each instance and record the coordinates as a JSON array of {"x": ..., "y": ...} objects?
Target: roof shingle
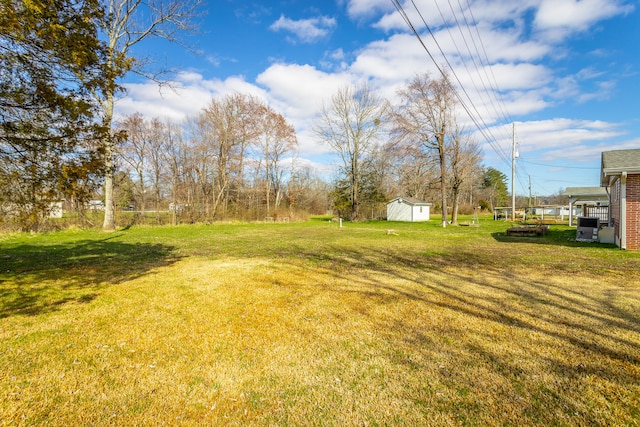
[{"x": 618, "y": 161}]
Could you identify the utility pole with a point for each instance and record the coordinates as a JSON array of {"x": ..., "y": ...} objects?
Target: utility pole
[
  {"x": 530, "y": 191},
  {"x": 513, "y": 173}
]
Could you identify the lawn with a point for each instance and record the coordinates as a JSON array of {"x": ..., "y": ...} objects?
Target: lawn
[{"x": 310, "y": 324}]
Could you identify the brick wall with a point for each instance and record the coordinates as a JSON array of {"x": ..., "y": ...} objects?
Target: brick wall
[{"x": 633, "y": 212}]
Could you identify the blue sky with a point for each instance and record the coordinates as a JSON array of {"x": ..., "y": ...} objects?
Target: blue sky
[{"x": 567, "y": 72}]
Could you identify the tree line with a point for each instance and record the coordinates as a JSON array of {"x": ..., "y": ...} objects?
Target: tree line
[
  {"x": 61, "y": 62},
  {"x": 237, "y": 158},
  {"x": 416, "y": 148}
]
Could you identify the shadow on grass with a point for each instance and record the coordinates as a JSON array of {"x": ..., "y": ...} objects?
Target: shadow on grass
[
  {"x": 575, "y": 329},
  {"x": 36, "y": 279},
  {"x": 553, "y": 237}
]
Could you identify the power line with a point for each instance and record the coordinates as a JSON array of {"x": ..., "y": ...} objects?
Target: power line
[
  {"x": 501, "y": 113},
  {"x": 484, "y": 129},
  {"x": 494, "y": 85},
  {"x": 562, "y": 166},
  {"x": 491, "y": 139}
]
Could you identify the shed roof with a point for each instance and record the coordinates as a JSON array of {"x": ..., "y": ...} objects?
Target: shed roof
[
  {"x": 618, "y": 161},
  {"x": 411, "y": 201}
]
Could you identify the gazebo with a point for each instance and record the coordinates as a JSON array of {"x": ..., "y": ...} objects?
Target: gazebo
[{"x": 594, "y": 202}]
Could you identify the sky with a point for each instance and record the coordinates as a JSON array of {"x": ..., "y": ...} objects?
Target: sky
[{"x": 564, "y": 74}]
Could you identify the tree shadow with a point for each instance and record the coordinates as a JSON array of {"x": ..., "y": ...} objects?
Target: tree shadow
[
  {"x": 570, "y": 320},
  {"x": 38, "y": 278},
  {"x": 553, "y": 237}
]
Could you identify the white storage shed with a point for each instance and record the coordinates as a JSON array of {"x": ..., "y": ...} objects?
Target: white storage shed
[{"x": 408, "y": 209}]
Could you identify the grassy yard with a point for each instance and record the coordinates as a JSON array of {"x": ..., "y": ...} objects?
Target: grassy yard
[{"x": 310, "y": 324}]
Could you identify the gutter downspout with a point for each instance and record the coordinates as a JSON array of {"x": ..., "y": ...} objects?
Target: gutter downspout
[{"x": 623, "y": 211}]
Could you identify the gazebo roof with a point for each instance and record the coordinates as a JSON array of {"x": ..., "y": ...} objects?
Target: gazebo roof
[{"x": 586, "y": 194}]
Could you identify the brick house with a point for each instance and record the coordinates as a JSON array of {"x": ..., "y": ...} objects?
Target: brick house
[{"x": 620, "y": 173}]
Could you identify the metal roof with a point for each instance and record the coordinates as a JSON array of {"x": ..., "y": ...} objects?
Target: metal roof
[
  {"x": 411, "y": 201},
  {"x": 585, "y": 191}
]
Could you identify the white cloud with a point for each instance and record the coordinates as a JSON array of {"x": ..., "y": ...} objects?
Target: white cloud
[
  {"x": 439, "y": 13},
  {"x": 520, "y": 76},
  {"x": 337, "y": 55},
  {"x": 306, "y": 30},
  {"x": 358, "y": 9},
  {"x": 555, "y": 18},
  {"x": 505, "y": 44},
  {"x": 290, "y": 83},
  {"x": 185, "y": 96},
  {"x": 561, "y": 138},
  {"x": 291, "y": 92},
  {"x": 581, "y": 153},
  {"x": 513, "y": 46},
  {"x": 562, "y": 150}
]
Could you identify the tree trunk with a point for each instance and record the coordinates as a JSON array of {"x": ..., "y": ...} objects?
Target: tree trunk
[
  {"x": 443, "y": 178},
  {"x": 108, "y": 142},
  {"x": 456, "y": 205},
  {"x": 109, "y": 223}
]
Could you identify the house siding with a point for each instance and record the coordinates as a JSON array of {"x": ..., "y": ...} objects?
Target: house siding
[
  {"x": 398, "y": 212},
  {"x": 420, "y": 213},
  {"x": 614, "y": 206},
  {"x": 633, "y": 212},
  {"x": 401, "y": 210},
  {"x": 620, "y": 172}
]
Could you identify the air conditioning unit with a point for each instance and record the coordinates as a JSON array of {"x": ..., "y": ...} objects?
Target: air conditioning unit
[{"x": 588, "y": 227}]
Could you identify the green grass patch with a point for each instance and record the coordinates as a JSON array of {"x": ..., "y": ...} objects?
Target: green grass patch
[{"x": 316, "y": 324}]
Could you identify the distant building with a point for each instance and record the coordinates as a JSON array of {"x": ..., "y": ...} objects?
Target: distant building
[
  {"x": 590, "y": 201},
  {"x": 55, "y": 210},
  {"x": 408, "y": 209},
  {"x": 96, "y": 205},
  {"x": 620, "y": 174}
]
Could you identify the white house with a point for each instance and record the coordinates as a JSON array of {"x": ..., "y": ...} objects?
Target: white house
[
  {"x": 407, "y": 209},
  {"x": 55, "y": 210},
  {"x": 96, "y": 205}
]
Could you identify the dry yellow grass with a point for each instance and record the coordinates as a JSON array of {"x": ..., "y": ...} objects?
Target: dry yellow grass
[{"x": 362, "y": 334}]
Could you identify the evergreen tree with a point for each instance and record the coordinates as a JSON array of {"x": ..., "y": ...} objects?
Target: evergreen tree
[
  {"x": 50, "y": 62},
  {"x": 495, "y": 184}
]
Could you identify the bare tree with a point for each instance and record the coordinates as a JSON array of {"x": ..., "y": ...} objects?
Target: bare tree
[
  {"x": 203, "y": 163},
  {"x": 133, "y": 151},
  {"x": 127, "y": 23},
  {"x": 275, "y": 139},
  {"x": 176, "y": 158},
  {"x": 307, "y": 191},
  {"x": 224, "y": 127},
  {"x": 424, "y": 118},
  {"x": 464, "y": 160},
  {"x": 415, "y": 172},
  {"x": 159, "y": 139},
  {"x": 351, "y": 125}
]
